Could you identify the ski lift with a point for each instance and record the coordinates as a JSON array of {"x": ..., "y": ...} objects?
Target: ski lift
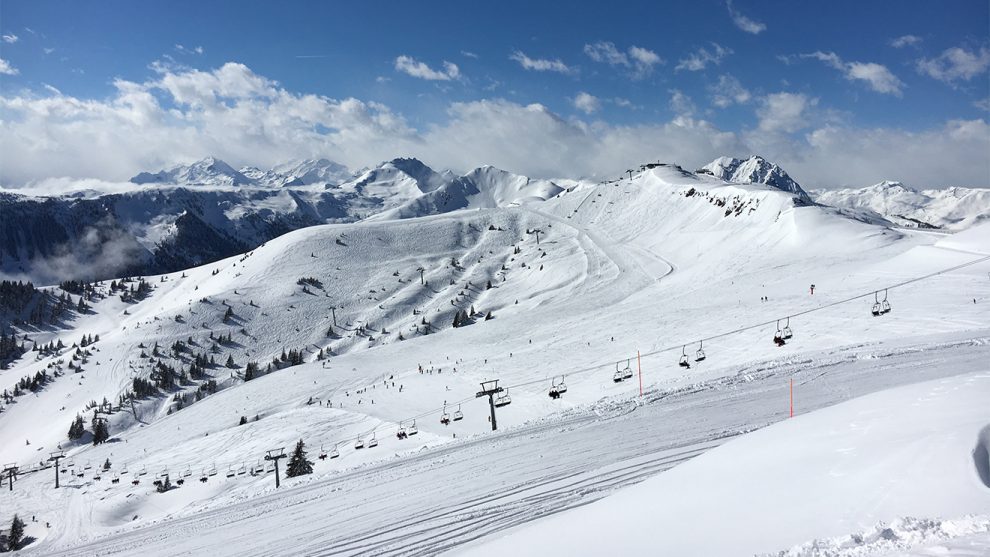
[
  {"x": 87, "y": 466},
  {"x": 97, "y": 476},
  {"x": 412, "y": 430},
  {"x": 778, "y": 337},
  {"x": 242, "y": 470},
  {"x": 359, "y": 444},
  {"x": 627, "y": 371},
  {"x": 683, "y": 362},
  {"x": 373, "y": 442},
  {"x": 230, "y": 471},
  {"x": 115, "y": 479},
  {"x": 699, "y": 356},
  {"x": 135, "y": 481},
  {"x": 213, "y": 471},
  {"x": 323, "y": 453},
  {"x": 124, "y": 469},
  {"x": 445, "y": 417},
  {"x": 334, "y": 453},
  {"x": 786, "y": 333},
  {"x": 876, "y": 311},
  {"x": 203, "y": 477},
  {"x": 884, "y": 304},
  {"x": 503, "y": 399},
  {"x": 561, "y": 386},
  {"x": 617, "y": 376},
  {"x": 554, "y": 393},
  {"x": 401, "y": 434},
  {"x": 180, "y": 481},
  {"x": 187, "y": 472},
  {"x": 143, "y": 471},
  {"x": 259, "y": 468},
  {"x": 458, "y": 415}
]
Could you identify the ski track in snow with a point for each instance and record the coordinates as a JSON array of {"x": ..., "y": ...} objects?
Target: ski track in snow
[{"x": 432, "y": 501}]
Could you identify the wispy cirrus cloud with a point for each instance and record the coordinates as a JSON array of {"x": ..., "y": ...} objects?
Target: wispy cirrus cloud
[
  {"x": 877, "y": 77},
  {"x": 7, "y": 69},
  {"x": 542, "y": 64},
  {"x": 744, "y": 23},
  {"x": 905, "y": 40},
  {"x": 188, "y": 50},
  {"x": 638, "y": 60},
  {"x": 410, "y": 66},
  {"x": 9, "y": 38},
  {"x": 955, "y": 64},
  {"x": 701, "y": 58}
]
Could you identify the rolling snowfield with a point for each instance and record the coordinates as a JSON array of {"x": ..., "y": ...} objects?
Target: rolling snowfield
[{"x": 883, "y": 453}]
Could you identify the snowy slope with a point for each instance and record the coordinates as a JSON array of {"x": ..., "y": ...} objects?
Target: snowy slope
[
  {"x": 906, "y": 452},
  {"x": 209, "y": 171},
  {"x": 952, "y": 208},
  {"x": 642, "y": 264}
]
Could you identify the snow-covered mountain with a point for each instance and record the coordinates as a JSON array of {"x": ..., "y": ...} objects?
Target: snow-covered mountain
[
  {"x": 951, "y": 208},
  {"x": 754, "y": 170},
  {"x": 360, "y": 328},
  {"x": 210, "y": 171},
  {"x": 314, "y": 171},
  {"x": 191, "y": 215}
]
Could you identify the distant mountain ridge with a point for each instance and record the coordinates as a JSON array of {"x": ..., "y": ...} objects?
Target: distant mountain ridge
[
  {"x": 212, "y": 171},
  {"x": 954, "y": 208}
]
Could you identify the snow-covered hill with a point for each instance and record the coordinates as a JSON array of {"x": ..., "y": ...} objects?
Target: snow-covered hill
[
  {"x": 568, "y": 289},
  {"x": 952, "y": 208}
]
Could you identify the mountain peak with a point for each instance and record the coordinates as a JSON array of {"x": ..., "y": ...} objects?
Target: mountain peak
[{"x": 754, "y": 170}]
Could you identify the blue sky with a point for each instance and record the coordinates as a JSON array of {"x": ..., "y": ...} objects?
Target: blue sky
[{"x": 768, "y": 77}]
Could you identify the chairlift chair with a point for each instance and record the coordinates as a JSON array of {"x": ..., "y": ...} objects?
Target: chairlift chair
[
  {"x": 135, "y": 481},
  {"x": 884, "y": 304},
  {"x": 876, "y": 305},
  {"x": 323, "y": 453},
  {"x": 115, "y": 479},
  {"x": 700, "y": 356},
  {"x": 242, "y": 470},
  {"x": 359, "y": 443},
  {"x": 203, "y": 477},
  {"x": 617, "y": 376},
  {"x": 412, "y": 430},
  {"x": 213, "y": 471},
  {"x": 683, "y": 361},
  {"x": 503, "y": 399},
  {"x": 87, "y": 466},
  {"x": 554, "y": 392},
  {"x": 778, "y": 337},
  {"x": 230, "y": 471},
  {"x": 187, "y": 472},
  {"x": 143, "y": 471},
  {"x": 97, "y": 476},
  {"x": 334, "y": 453},
  {"x": 561, "y": 386},
  {"x": 123, "y": 470},
  {"x": 401, "y": 434},
  {"x": 458, "y": 415},
  {"x": 445, "y": 417},
  {"x": 786, "y": 332},
  {"x": 627, "y": 371},
  {"x": 373, "y": 442}
]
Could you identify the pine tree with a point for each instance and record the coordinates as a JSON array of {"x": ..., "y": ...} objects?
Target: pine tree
[
  {"x": 16, "y": 534},
  {"x": 230, "y": 362},
  {"x": 106, "y": 465},
  {"x": 298, "y": 465},
  {"x": 76, "y": 429},
  {"x": 251, "y": 371},
  {"x": 101, "y": 430}
]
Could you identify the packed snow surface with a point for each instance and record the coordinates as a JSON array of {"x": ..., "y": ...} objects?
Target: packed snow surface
[{"x": 575, "y": 286}]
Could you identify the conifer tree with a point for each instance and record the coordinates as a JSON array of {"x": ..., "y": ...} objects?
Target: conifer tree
[
  {"x": 298, "y": 465},
  {"x": 16, "y": 534}
]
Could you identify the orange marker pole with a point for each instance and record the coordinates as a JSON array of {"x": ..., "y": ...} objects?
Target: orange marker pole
[
  {"x": 792, "y": 397},
  {"x": 639, "y": 364}
]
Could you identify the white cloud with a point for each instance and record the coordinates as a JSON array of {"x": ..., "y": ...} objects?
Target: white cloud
[
  {"x": 622, "y": 102},
  {"x": 681, "y": 104},
  {"x": 587, "y": 103},
  {"x": 185, "y": 50},
  {"x": 729, "y": 91},
  {"x": 784, "y": 112},
  {"x": 409, "y": 65},
  {"x": 10, "y": 38},
  {"x": 699, "y": 60},
  {"x": 7, "y": 69},
  {"x": 48, "y": 50},
  {"x": 468, "y": 54},
  {"x": 181, "y": 115},
  {"x": 982, "y": 104},
  {"x": 742, "y": 22},
  {"x": 638, "y": 59},
  {"x": 905, "y": 40},
  {"x": 541, "y": 64},
  {"x": 876, "y": 76},
  {"x": 956, "y": 64}
]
